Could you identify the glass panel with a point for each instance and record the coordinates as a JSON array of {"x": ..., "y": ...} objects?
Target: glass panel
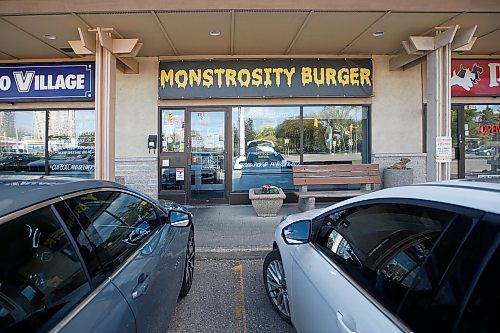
[
  {"x": 266, "y": 143},
  {"x": 41, "y": 276},
  {"x": 482, "y": 139},
  {"x": 22, "y": 140},
  {"x": 172, "y": 131},
  {"x": 115, "y": 223},
  {"x": 382, "y": 246},
  {"x": 171, "y": 179},
  {"x": 455, "y": 144},
  {"x": 333, "y": 134},
  {"x": 207, "y": 153}
]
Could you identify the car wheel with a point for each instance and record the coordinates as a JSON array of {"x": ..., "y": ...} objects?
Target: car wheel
[
  {"x": 187, "y": 281},
  {"x": 275, "y": 283}
]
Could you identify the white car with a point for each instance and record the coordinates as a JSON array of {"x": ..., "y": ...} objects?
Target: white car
[{"x": 421, "y": 258}]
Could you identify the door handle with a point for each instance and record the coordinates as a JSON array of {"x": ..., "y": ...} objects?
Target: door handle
[
  {"x": 142, "y": 286},
  {"x": 343, "y": 326}
]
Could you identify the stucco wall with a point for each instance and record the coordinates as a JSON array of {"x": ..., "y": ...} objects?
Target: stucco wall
[
  {"x": 396, "y": 109},
  {"x": 136, "y": 118},
  {"x": 136, "y": 109}
]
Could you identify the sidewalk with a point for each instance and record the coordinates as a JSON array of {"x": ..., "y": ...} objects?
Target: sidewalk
[{"x": 234, "y": 231}]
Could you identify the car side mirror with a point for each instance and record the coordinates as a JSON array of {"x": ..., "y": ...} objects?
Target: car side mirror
[
  {"x": 297, "y": 233},
  {"x": 179, "y": 219}
]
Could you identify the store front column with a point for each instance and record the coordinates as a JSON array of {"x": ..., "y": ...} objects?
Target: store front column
[
  {"x": 108, "y": 47},
  {"x": 438, "y": 109},
  {"x": 105, "y": 112}
]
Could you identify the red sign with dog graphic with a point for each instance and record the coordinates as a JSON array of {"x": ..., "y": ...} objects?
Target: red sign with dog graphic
[{"x": 475, "y": 77}]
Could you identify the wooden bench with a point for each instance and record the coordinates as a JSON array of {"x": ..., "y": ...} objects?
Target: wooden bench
[{"x": 367, "y": 175}]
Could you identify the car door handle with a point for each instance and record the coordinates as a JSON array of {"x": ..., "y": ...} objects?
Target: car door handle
[
  {"x": 142, "y": 286},
  {"x": 343, "y": 326}
]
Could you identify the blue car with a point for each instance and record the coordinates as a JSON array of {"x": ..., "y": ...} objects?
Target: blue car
[{"x": 90, "y": 256}]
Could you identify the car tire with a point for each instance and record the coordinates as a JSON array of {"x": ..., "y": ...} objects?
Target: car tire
[
  {"x": 275, "y": 284},
  {"x": 187, "y": 280}
]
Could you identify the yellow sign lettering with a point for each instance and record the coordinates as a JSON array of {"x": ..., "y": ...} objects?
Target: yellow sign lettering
[
  {"x": 319, "y": 79},
  {"x": 246, "y": 81},
  {"x": 355, "y": 76},
  {"x": 194, "y": 76},
  {"x": 365, "y": 76},
  {"x": 166, "y": 77},
  {"x": 267, "y": 79},
  {"x": 257, "y": 77},
  {"x": 181, "y": 78},
  {"x": 289, "y": 73},
  {"x": 343, "y": 76},
  {"x": 330, "y": 76},
  {"x": 208, "y": 78},
  {"x": 219, "y": 72},
  {"x": 230, "y": 77},
  {"x": 306, "y": 75}
]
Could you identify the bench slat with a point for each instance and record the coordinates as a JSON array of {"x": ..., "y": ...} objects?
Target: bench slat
[
  {"x": 336, "y": 174},
  {"x": 336, "y": 181},
  {"x": 330, "y": 194},
  {"x": 334, "y": 167}
]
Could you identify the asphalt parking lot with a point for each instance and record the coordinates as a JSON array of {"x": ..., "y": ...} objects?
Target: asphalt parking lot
[{"x": 227, "y": 296}]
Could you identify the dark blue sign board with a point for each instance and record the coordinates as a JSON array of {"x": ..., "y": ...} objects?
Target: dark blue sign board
[{"x": 47, "y": 82}]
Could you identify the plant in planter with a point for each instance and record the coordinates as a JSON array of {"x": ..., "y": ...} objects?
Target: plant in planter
[
  {"x": 266, "y": 200},
  {"x": 398, "y": 174}
]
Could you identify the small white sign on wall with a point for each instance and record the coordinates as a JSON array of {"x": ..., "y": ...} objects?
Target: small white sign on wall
[
  {"x": 179, "y": 173},
  {"x": 444, "y": 149}
]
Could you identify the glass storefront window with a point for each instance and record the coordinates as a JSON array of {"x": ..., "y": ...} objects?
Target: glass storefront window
[
  {"x": 172, "y": 178},
  {"x": 22, "y": 140},
  {"x": 482, "y": 140},
  {"x": 172, "y": 129},
  {"x": 334, "y": 134},
  {"x": 70, "y": 142},
  {"x": 266, "y": 143}
]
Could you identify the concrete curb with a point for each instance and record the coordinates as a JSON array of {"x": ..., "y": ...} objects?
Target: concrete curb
[{"x": 220, "y": 253}]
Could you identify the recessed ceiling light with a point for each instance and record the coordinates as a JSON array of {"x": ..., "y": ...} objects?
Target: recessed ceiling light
[
  {"x": 215, "y": 33},
  {"x": 378, "y": 33},
  {"x": 49, "y": 36}
]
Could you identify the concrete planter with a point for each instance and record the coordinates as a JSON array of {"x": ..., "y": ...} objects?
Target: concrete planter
[
  {"x": 397, "y": 177},
  {"x": 266, "y": 204}
]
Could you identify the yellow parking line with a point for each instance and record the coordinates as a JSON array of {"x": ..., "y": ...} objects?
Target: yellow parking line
[{"x": 239, "y": 304}]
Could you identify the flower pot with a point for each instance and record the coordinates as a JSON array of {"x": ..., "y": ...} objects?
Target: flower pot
[
  {"x": 266, "y": 204},
  {"x": 397, "y": 177}
]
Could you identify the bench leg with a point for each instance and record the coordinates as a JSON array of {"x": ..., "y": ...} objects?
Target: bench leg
[{"x": 307, "y": 203}]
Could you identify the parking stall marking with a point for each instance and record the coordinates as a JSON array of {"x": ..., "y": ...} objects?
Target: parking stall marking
[{"x": 239, "y": 304}]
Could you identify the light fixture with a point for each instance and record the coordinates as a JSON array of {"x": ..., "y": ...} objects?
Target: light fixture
[
  {"x": 49, "y": 36},
  {"x": 378, "y": 33},
  {"x": 215, "y": 33}
]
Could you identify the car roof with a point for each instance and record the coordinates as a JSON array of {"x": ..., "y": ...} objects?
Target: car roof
[
  {"x": 16, "y": 194},
  {"x": 476, "y": 194}
]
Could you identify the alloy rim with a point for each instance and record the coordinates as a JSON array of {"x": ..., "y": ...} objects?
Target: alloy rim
[
  {"x": 189, "y": 271},
  {"x": 276, "y": 285}
]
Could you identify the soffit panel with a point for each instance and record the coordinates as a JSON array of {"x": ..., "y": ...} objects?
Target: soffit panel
[
  {"x": 396, "y": 27},
  {"x": 486, "y": 45},
  {"x": 330, "y": 32},
  {"x": 134, "y": 25},
  {"x": 266, "y": 32},
  {"x": 486, "y": 22},
  {"x": 63, "y": 27},
  {"x": 190, "y": 32},
  {"x": 23, "y": 46}
]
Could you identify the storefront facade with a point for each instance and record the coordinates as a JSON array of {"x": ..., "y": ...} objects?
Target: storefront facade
[{"x": 204, "y": 126}]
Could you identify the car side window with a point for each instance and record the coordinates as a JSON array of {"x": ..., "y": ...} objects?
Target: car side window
[
  {"x": 115, "y": 223},
  {"x": 481, "y": 312},
  {"x": 438, "y": 309},
  {"x": 41, "y": 276},
  {"x": 382, "y": 246}
]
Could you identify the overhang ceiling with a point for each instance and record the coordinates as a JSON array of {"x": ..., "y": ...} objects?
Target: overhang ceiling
[{"x": 242, "y": 32}]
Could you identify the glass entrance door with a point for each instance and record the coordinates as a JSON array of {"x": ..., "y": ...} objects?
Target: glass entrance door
[
  {"x": 476, "y": 138},
  {"x": 207, "y": 157}
]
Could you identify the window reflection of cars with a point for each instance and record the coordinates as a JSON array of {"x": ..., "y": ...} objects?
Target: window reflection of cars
[
  {"x": 205, "y": 165},
  {"x": 412, "y": 258},
  {"x": 76, "y": 159},
  {"x": 487, "y": 151},
  {"x": 16, "y": 162}
]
